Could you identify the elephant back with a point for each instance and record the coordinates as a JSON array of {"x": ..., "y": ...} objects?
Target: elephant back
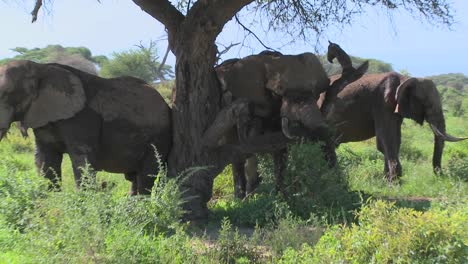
[
  {"x": 131, "y": 100},
  {"x": 244, "y": 78},
  {"x": 302, "y": 73},
  {"x": 255, "y": 77}
]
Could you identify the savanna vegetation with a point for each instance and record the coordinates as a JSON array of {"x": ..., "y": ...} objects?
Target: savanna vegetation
[
  {"x": 348, "y": 214},
  {"x": 344, "y": 215}
]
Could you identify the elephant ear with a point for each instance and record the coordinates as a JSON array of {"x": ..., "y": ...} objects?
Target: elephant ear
[
  {"x": 60, "y": 95},
  {"x": 408, "y": 98}
]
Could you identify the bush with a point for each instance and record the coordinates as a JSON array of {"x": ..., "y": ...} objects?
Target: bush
[
  {"x": 387, "y": 234},
  {"x": 233, "y": 247},
  {"x": 457, "y": 168},
  {"x": 91, "y": 225},
  {"x": 312, "y": 187},
  {"x": 289, "y": 232},
  {"x": 19, "y": 191}
]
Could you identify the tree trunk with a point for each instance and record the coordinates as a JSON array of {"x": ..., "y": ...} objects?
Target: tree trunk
[{"x": 196, "y": 104}]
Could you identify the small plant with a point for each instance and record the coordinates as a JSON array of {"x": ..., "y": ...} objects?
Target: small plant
[
  {"x": 289, "y": 232},
  {"x": 232, "y": 246}
]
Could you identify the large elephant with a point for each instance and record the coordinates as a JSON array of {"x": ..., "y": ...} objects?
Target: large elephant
[
  {"x": 376, "y": 104},
  {"x": 281, "y": 88},
  {"x": 110, "y": 124}
]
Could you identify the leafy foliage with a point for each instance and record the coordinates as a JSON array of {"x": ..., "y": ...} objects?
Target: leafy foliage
[
  {"x": 140, "y": 63},
  {"x": 78, "y": 57},
  {"x": 457, "y": 81},
  {"x": 387, "y": 234},
  {"x": 375, "y": 66}
]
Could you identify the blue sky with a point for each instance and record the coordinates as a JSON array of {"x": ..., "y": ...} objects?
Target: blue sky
[{"x": 117, "y": 25}]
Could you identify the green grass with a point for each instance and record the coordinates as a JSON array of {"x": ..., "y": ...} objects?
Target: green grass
[{"x": 345, "y": 215}]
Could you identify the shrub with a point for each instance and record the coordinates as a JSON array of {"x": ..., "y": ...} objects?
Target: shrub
[
  {"x": 289, "y": 232},
  {"x": 19, "y": 191},
  {"x": 233, "y": 247},
  {"x": 312, "y": 187},
  {"x": 387, "y": 234},
  {"x": 457, "y": 168}
]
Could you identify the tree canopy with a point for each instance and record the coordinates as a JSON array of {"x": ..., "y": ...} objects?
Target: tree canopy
[
  {"x": 142, "y": 63},
  {"x": 78, "y": 57},
  {"x": 457, "y": 81},
  {"x": 375, "y": 66}
]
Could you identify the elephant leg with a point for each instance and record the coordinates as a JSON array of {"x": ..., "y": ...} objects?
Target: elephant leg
[
  {"x": 48, "y": 163},
  {"x": 226, "y": 119},
  {"x": 238, "y": 173},
  {"x": 279, "y": 161},
  {"x": 133, "y": 187},
  {"x": 145, "y": 178},
  {"x": 251, "y": 173},
  {"x": 83, "y": 165},
  {"x": 389, "y": 139},
  {"x": 329, "y": 150},
  {"x": 380, "y": 147}
]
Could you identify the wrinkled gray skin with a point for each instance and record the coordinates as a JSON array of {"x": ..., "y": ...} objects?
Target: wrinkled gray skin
[
  {"x": 281, "y": 88},
  {"x": 108, "y": 123},
  {"x": 271, "y": 81},
  {"x": 376, "y": 104}
]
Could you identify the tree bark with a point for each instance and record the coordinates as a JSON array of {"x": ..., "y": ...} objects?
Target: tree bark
[
  {"x": 198, "y": 96},
  {"x": 195, "y": 107}
]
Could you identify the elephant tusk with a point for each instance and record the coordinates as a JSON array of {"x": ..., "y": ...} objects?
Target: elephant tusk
[{"x": 446, "y": 137}]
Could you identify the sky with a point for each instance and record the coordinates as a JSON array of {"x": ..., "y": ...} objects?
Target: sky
[{"x": 117, "y": 25}]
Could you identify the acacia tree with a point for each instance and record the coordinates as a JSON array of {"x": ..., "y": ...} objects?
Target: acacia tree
[{"x": 192, "y": 28}]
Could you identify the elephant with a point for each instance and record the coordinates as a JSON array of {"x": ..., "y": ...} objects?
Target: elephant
[
  {"x": 110, "y": 124},
  {"x": 375, "y": 105},
  {"x": 280, "y": 88}
]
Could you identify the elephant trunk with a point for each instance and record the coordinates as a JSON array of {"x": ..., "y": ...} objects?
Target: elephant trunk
[
  {"x": 301, "y": 118},
  {"x": 440, "y": 136},
  {"x": 285, "y": 128},
  {"x": 439, "y": 143}
]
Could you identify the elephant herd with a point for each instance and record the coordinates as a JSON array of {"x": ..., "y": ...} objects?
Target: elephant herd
[{"x": 115, "y": 124}]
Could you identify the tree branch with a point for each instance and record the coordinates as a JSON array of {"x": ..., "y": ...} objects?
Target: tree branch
[
  {"x": 218, "y": 13},
  {"x": 163, "y": 62},
  {"x": 36, "y": 9},
  {"x": 163, "y": 11},
  {"x": 251, "y": 32}
]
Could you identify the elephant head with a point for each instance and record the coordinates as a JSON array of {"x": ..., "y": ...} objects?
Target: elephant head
[
  {"x": 37, "y": 94},
  {"x": 418, "y": 99}
]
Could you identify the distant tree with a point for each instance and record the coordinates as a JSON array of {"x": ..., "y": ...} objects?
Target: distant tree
[
  {"x": 455, "y": 80},
  {"x": 77, "y": 57},
  {"x": 141, "y": 63},
  {"x": 405, "y": 72},
  {"x": 375, "y": 66}
]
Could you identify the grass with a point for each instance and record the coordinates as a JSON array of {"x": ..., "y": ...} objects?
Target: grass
[{"x": 345, "y": 215}]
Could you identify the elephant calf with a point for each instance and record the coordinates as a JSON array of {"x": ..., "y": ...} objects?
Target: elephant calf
[{"x": 110, "y": 124}]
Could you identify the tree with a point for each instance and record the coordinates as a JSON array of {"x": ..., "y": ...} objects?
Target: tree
[
  {"x": 78, "y": 57},
  {"x": 192, "y": 28},
  {"x": 140, "y": 63},
  {"x": 375, "y": 66}
]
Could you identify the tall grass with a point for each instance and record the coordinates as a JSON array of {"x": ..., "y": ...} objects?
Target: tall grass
[{"x": 322, "y": 220}]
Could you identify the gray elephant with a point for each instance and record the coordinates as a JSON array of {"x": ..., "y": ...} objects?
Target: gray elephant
[
  {"x": 110, "y": 124},
  {"x": 280, "y": 88},
  {"x": 376, "y": 104}
]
